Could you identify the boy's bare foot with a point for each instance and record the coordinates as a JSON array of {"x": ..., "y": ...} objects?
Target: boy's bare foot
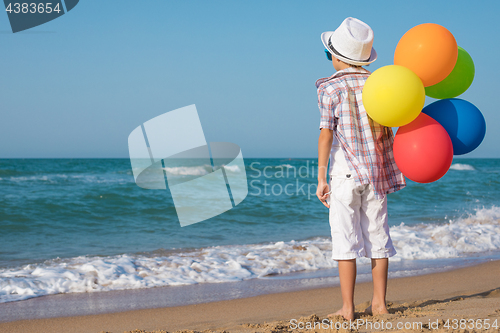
[
  {"x": 376, "y": 309},
  {"x": 347, "y": 314}
]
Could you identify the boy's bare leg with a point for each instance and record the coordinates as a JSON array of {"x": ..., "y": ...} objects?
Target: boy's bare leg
[
  {"x": 347, "y": 275},
  {"x": 379, "y": 274}
]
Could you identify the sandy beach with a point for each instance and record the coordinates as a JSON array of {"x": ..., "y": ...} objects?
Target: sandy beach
[{"x": 466, "y": 298}]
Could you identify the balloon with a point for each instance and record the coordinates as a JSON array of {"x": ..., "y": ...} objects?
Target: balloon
[
  {"x": 423, "y": 150},
  {"x": 458, "y": 81},
  {"x": 393, "y": 96},
  {"x": 463, "y": 121},
  {"x": 429, "y": 50}
]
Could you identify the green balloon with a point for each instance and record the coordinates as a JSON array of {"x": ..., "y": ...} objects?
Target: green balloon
[{"x": 458, "y": 81}]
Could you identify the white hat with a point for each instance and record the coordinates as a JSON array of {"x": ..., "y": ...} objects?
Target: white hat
[{"x": 351, "y": 42}]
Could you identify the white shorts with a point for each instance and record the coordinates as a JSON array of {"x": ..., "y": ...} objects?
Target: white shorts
[{"x": 358, "y": 220}]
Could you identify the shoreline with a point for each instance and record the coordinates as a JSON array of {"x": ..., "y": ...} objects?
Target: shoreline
[
  {"x": 479, "y": 284},
  {"x": 104, "y": 302}
]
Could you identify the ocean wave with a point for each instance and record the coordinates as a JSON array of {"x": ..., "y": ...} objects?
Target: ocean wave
[
  {"x": 476, "y": 233},
  {"x": 57, "y": 178},
  {"x": 189, "y": 171},
  {"x": 112, "y": 178},
  {"x": 461, "y": 167},
  {"x": 232, "y": 168},
  {"x": 31, "y": 178},
  {"x": 214, "y": 264},
  {"x": 479, "y": 232},
  {"x": 288, "y": 166},
  {"x": 197, "y": 170}
]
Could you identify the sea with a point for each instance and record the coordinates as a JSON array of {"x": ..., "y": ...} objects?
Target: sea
[{"x": 73, "y": 226}]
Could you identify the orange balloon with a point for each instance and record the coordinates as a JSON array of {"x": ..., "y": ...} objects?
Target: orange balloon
[{"x": 429, "y": 50}]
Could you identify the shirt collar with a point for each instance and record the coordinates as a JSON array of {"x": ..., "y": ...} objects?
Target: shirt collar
[{"x": 348, "y": 70}]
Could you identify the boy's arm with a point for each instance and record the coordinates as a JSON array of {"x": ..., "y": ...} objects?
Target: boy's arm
[{"x": 324, "y": 147}]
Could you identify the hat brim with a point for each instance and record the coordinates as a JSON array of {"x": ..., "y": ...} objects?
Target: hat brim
[{"x": 325, "y": 37}]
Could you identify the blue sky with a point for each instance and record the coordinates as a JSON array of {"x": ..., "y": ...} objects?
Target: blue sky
[{"x": 77, "y": 86}]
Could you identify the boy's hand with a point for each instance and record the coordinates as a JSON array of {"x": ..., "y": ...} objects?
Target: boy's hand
[{"x": 322, "y": 192}]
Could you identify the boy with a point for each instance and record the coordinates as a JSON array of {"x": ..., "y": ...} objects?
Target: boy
[{"x": 362, "y": 167}]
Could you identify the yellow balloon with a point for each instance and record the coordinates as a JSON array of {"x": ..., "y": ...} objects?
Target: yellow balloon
[{"x": 393, "y": 96}]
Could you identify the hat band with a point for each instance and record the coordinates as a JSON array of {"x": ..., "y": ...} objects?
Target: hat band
[{"x": 338, "y": 53}]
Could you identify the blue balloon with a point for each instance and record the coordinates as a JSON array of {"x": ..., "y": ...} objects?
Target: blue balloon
[{"x": 462, "y": 120}]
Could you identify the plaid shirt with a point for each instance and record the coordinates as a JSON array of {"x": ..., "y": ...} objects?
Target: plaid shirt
[{"x": 367, "y": 145}]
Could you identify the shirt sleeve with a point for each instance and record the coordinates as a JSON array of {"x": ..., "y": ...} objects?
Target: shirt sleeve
[{"x": 327, "y": 101}]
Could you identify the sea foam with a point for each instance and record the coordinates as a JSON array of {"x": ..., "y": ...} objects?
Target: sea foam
[
  {"x": 462, "y": 167},
  {"x": 479, "y": 232}
]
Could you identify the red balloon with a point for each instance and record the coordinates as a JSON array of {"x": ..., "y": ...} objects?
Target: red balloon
[{"x": 423, "y": 150}]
